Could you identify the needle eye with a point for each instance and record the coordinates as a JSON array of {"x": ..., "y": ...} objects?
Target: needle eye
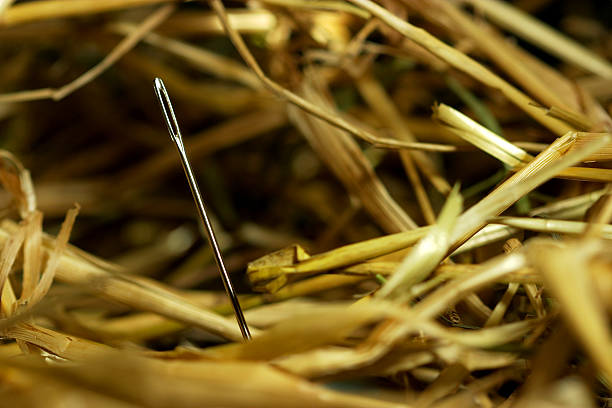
[{"x": 166, "y": 107}]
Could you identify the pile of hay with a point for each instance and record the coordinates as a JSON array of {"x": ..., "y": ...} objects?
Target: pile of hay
[{"x": 412, "y": 198}]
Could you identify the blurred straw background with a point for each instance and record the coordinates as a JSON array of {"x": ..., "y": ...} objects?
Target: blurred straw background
[{"x": 412, "y": 198}]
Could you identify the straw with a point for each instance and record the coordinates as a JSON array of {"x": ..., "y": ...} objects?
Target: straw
[{"x": 365, "y": 278}]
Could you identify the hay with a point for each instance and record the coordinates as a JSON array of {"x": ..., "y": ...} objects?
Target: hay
[{"x": 366, "y": 278}]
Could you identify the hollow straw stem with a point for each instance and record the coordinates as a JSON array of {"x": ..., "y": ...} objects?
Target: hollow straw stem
[{"x": 175, "y": 135}]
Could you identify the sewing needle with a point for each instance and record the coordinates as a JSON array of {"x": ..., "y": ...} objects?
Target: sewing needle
[{"x": 175, "y": 135}]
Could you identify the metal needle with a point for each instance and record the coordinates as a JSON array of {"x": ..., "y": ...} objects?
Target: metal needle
[{"x": 175, "y": 135}]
